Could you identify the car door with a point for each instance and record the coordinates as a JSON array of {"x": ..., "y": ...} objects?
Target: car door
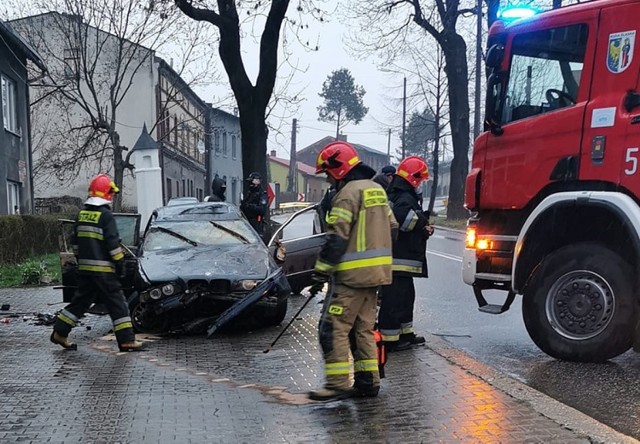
[
  {"x": 300, "y": 253},
  {"x": 300, "y": 260},
  {"x": 129, "y": 229}
]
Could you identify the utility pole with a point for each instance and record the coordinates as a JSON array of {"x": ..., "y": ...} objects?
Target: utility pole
[
  {"x": 404, "y": 115},
  {"x": 476, "y": 116},
  {"x": 389, "y": 145},
  {"x": 292, "y": 185}
]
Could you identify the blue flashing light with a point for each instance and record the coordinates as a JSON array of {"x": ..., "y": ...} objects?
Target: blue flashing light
[{"x": 516, "y": 13}]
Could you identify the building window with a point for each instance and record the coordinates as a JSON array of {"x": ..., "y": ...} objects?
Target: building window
[
  {"x": 71, "y": 58},
  {"x": 169, "y": 189},
  {"x": 224, "y": 144},
  {"x": 184, "y": 188},
  {"x": 13, "y": 197},
  {"x": 233, "y": 147},
  {"x": 9, "y": 104},
  {"x": 216, "y": 141}
]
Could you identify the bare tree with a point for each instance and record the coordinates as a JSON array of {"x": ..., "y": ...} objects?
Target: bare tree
[
  {"x": 97, "y": 50},
  {"x": 252, "y": 99},
  {"x": 389, "y": 25}
]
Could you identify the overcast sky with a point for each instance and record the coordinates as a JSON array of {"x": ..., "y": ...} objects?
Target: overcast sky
[{"x": 381, "y": 89}]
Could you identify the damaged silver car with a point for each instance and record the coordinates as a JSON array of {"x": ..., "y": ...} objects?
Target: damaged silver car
[{"x": 199, "y": 265}]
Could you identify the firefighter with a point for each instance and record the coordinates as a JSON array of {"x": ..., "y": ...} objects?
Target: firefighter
[
  {"x": 357, "y": 255},
  {"x": 395, "y": 318},
  {"x": 96, "y": 243},
  {"x": 255, "y": 203}
]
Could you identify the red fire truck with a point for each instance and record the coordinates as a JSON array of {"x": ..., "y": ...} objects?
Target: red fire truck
[{"x": 554, "y": 185}]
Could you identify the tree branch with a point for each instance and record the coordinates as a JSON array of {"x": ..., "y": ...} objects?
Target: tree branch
[{"x": 199, "y": 14}]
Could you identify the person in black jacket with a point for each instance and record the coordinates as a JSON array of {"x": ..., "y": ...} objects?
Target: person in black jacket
[
  {"x": 96, "y": 243},
  {"x": 385, "y": 176},
  {"x": 255, "y": 203},
  {"x": 395, "y": 318},
  {"x": 218, "y": 188}
]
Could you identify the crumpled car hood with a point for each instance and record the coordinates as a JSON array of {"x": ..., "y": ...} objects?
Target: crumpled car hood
[{"x": 207, "y": 262}]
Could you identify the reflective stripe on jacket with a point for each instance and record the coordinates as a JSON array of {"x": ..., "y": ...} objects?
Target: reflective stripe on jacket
[
  {"x": 96, "y": 241},
  {"x": 361, "y": 220}
]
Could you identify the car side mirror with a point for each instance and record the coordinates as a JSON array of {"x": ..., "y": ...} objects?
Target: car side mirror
[{"x": 495, "y": 56}]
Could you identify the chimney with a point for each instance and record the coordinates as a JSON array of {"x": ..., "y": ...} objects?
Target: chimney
[
  {"x": 342, "y": 137},
  {"x": 273, "y": 153}
]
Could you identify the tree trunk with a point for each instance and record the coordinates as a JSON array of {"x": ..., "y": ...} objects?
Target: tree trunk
[
  {"x": 254, "y": 140},
  {"x": 455, "y": 52},
  {"x": 118, "y": 169},
  {"x": 436, "y": 162},
  {"x": 338, "y": 126}
]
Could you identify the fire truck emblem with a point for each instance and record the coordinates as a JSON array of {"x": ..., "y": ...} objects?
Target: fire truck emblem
[{"x": 620, "y": 51}]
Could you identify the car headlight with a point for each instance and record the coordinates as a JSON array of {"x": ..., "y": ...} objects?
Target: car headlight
[
  {"x": 168, "y": 289},
  {"x": 247, "y": 284},
  {"x": 155, "y": 294}
]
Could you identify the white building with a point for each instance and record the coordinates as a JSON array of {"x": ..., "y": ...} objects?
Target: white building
[{"x": 83, "y": 67}]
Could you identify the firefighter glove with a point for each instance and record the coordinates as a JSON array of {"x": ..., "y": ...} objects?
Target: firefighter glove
[{"x": 319, "y": 279}]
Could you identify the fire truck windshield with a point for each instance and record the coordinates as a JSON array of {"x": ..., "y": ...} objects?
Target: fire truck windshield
[{"x": 544, "y": 74}]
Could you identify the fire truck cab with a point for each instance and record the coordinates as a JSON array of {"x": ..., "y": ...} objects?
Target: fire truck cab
[{"x": 554, "y": 184}]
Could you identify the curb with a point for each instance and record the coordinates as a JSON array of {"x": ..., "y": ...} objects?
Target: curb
[
  {"x": 455, "y": 230},
  {"x": 558, "y": 412}
]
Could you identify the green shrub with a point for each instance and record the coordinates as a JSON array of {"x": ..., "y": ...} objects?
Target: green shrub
[
  {"x": 33, "y": 272},
  {"x": 23, "y": 237}
]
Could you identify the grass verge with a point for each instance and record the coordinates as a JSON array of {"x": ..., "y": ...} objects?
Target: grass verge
[
  {"x": 457, "y": 224},
  {"x": 31, "y": 271}
]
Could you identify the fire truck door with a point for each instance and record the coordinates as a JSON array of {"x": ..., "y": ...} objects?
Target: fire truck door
[{"x": 611, "y": 144}]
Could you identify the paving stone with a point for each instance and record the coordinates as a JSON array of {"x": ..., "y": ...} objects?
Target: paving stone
[{"x": 226, "y": 390}]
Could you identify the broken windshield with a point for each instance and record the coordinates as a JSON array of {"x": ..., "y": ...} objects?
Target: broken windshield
[{"x": 168, "y": 235}]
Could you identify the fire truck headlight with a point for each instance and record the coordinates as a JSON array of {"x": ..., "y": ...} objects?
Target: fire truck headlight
[{"x": 470, "y": 240}]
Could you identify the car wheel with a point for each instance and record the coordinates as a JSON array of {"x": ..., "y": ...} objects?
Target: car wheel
[
  {"x": 579, "y": 304},
  {"x": 140, "y": 318},
  {"x": 276, "y": 316}
]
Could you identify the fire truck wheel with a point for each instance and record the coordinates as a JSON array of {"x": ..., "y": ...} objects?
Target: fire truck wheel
[{"x": 579, "y": 304}]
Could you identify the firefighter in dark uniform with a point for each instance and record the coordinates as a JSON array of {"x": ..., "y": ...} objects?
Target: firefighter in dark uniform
[
  {"x": 96, "y": 243},
  {"x": 395, "y": 318},
  {"x": 357, "y": 254},
  {"x": 255, "y": 203}
]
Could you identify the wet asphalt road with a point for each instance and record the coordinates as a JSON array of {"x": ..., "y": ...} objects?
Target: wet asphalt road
[{"x": 445, "y": 306}]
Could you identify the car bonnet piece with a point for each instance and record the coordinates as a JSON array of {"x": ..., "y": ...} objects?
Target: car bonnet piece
[{"x": 251, "y": 298}]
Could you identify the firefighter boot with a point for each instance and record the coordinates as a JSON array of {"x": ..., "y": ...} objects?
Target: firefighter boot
[
  {"x": 412, "y": 338},
  {"x": 63, "y": 341},
  {"x": 131, "y": 346},
  {"x": 396, "y": 346},
  {"x": 331, "y": 394},
  {"x": 364, "y": 385}
]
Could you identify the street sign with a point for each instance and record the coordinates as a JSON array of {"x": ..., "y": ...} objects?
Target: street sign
[
  {"x": 300, "y": 197},
  {"x": 271, "y": 194}
]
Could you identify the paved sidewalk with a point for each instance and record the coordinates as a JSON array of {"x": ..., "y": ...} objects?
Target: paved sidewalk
[{"x": 226, "y": 390}]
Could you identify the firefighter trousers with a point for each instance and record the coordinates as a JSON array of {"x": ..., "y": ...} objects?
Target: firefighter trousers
[
  {"x": 99, "y": 288},
  {"x": 395, "y": 317},
  {"x": 349, "y": 311}
]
